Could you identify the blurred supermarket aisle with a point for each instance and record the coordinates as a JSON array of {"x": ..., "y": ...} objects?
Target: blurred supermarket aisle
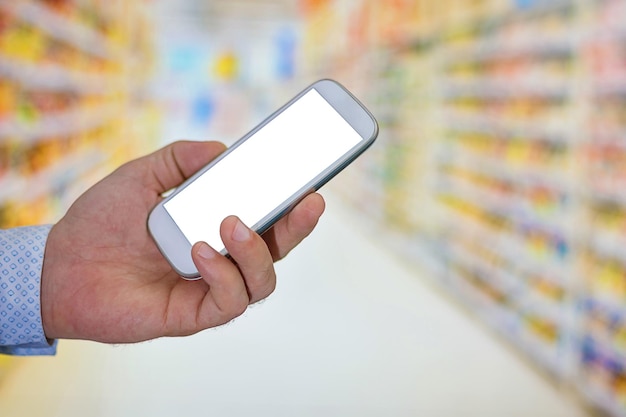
[
  {"x": 349, "y": 332},
  {"x": 502, "y": 156}
]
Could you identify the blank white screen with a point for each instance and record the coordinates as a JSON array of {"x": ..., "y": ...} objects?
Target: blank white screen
[{"x": 264, "y": 171}]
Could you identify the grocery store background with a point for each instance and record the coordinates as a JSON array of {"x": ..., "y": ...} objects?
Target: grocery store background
[{"x": 472, "y": 263}]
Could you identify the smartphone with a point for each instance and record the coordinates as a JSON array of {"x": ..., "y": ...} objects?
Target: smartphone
[{"x": 266, "y": 173}]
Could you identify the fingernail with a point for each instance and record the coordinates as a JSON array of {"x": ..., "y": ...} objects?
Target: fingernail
[
  {"x": 241, "y": 232},
  {"x": 205, "y": 251}
]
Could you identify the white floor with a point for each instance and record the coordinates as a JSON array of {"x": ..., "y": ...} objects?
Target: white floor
[{"x": 349, "y": 332}]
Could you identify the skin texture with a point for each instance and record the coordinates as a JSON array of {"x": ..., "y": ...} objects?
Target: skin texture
[{"x": 105, "y": 280}]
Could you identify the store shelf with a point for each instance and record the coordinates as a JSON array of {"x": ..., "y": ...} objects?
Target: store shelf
[
  {"x": 603, "y": 399},
  {"x": 609, "y": 244},
  {"x": 53, "y": 77},
  {"x": 490, "y": 49},
  {"x": 50, "y": 180},
  {"x": 612, "y": 87},
  {"x": 494, "y": 88},
  {"x": 559, "y": 313},
  {"x": 515, "y": 248},
  {"x": 499, "y": 278},
  {"x": 507, "y": 173},
  {"x": 64, "y": 124},
  {"x": 514, "y": 206},
  {"x": 551, "y": 129},
  {"x": 603, "y": 343},
  {"x": 60, "y": 28},
  {"x": 508, "y": 323},
  {"x": 505, "y": 321},
  {"x": 521, "y": 174},
  {"x": 604, "y": 359}
]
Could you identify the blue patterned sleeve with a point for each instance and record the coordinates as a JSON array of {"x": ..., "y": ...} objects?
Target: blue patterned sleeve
[{"x": 21, "y": 261}]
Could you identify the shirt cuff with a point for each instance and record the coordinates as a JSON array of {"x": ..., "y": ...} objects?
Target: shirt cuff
[
  {"x": 21, "y": 263},
  {"x": 31, "y": 349}
]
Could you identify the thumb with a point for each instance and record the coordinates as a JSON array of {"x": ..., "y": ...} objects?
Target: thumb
[{"x": 170, "y": 166}]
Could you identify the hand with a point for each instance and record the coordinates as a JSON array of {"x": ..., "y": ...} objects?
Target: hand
[{"x": 104, "y": 279}]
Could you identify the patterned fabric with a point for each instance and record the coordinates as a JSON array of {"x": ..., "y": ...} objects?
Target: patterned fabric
[{"x": 21, "y": 261}]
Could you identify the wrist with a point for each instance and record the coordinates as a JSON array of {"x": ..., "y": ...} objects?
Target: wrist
[{"x": 49, "y": 302}]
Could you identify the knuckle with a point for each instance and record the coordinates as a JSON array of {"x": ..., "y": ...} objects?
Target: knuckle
[
  {"x": 238, "y": 305},
  {"x": 227, "y": 309},
  {"x": 265, "y": 286},
  {"x": 225, "y": 315}
]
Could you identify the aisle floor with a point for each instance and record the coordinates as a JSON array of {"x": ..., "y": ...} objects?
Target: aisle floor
[{"x": 349, "y": 332}]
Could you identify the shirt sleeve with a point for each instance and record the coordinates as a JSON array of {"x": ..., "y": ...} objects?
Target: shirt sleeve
[{"x": 21, "y": 262}]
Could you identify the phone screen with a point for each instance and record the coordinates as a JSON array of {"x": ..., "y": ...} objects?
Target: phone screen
[{"x": 264, "y": 171}]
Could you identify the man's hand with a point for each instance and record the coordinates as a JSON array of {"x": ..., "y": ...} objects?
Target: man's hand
[{"x": 105, "y": 280}]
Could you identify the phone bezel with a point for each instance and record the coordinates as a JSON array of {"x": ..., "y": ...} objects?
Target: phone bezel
[{"x": 173, "y": 244}]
